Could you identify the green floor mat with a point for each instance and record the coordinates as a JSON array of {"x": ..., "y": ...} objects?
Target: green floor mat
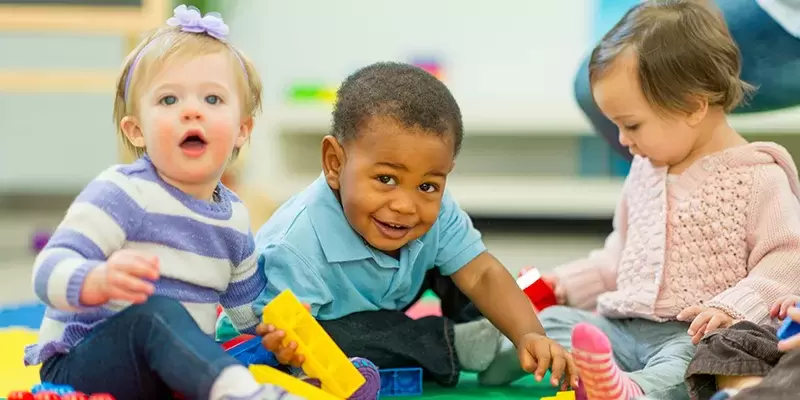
[{"x": 468, "y": 388}]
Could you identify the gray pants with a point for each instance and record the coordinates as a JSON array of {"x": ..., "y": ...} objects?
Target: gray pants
[{"x": 654, "y": 354}]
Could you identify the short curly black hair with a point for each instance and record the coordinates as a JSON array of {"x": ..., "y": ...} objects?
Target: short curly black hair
[{"x": 404, "y": 92}]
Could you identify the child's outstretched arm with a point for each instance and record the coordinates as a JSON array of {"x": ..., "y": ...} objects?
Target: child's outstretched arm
[
  {"x": 773, "y": 237},
  {"x": 246, "y": 284},
  {"x": 96, "y": 225},
  {"x": 584, "y": 279}
]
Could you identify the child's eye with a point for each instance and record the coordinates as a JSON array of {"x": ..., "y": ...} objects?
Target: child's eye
[
  {"x": 631, "y": 127},
  {"x": 168, "y": 100},
  {"x": 213, "y": 99},
  {"x": 428, "y": 187},
  {"x": 386, "y": 179}
]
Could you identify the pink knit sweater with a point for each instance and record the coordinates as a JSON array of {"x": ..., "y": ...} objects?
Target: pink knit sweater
[{"x": 724, "y": 233}]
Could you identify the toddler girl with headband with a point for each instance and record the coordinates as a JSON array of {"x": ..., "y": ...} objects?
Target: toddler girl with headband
[{"x": 133, "y": 274}]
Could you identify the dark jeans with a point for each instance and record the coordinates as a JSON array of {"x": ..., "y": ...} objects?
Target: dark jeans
[
  {"x": 770, "y": 61},
  {"x": 744, "y": 349},
  {"x": 390, "y": 339},
  {"x": 146, "y": 351}
]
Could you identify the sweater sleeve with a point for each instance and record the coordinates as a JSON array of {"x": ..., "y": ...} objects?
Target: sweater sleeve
[
  {"x": 246, "y": 284},
  {"x": 96, "y": 224},
  {"x": 585, "y": 279},
  {"x": 773, "y": 239}
]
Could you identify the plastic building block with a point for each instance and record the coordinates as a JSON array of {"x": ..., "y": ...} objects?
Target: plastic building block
[
  {"x": 537, "y": 290},
  {"x": 266, "y": 374},
  {"x": 20, "y": 395},
  {"x": 323, "y": 359},
  {"x": 788, "y": 328},
  {"x": 251, "y": 351},
  {"x": 401, "y": 382},
  {"x": 561, "y": 396}
]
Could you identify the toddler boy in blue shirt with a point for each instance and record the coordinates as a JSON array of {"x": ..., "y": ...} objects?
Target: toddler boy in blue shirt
[{"x": 377, "y": 229}]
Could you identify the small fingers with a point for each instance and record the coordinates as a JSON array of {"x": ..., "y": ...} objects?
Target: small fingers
[
  {"x": 131, "y": 284},
  {"x": 688, "y": 313},
  {"x": 297, "y": 360},
  {"x": 272, "y": 340},
  {"x": 698, "y": 336},
  {"x": 716, "y": 322},
  {"x": 285, "y": 354},
  {"x": 573, "y": 371},
  {"x": 699, "y": 322},
  {"x": 543, "y": 358},
  {"x": 559, "y": 365}
]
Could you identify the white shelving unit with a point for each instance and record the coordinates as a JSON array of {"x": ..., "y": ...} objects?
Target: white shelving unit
[{"x": 549, "y": 193}]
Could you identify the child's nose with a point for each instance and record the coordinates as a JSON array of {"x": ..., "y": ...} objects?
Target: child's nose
[
  {"x": 402, "y": 204},
  {"x": 623, "y": 140},
  {"x": 191, "y": 112}
]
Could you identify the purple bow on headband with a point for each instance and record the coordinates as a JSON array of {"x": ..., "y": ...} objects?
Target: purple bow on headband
[{"x": 189, "y": 19}]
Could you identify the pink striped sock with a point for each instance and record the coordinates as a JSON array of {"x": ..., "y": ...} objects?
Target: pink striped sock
[{"x": 601, "y": 378}]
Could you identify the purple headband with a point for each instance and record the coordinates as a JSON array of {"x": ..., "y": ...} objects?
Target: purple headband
[{"x": 190, "y": 20}]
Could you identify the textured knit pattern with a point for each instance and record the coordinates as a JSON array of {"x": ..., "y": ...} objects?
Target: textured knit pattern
[
  {"x": 725, "y": 233},
  {"x": 205, "y": 250},
  {"x": 601, "y": 378}
]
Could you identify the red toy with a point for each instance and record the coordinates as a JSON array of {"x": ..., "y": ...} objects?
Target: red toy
[
  {"x": 75, "y": 396},
  {"x": 20, "y": 396},
  {"x": 537, "y": 290},
  {"x": 46, "y": 396}
]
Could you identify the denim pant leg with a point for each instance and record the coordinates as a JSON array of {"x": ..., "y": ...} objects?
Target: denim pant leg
[
  {"x": 146, "y": 351},
  {"x": 558, "y": 322},
  {"x": 665, "y": 349}
]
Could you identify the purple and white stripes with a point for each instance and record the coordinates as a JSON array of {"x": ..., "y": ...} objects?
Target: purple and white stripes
[{"x": 206, "y": 253}]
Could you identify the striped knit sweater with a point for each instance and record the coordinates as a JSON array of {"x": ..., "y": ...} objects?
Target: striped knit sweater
[{"x": 205, "y": 250}]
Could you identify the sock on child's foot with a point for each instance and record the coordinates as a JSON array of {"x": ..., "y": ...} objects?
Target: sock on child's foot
[
  {"x": 601, "y": 378},
  {"x": 476, "y": 344},
  {"x": 237, "y": 383},
  {"x": 505, "y": 368}
]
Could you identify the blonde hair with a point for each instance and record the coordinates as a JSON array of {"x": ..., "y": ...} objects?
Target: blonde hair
[
  {"x": 166, "y": 44},
  {"x": 684, "y": 52}
]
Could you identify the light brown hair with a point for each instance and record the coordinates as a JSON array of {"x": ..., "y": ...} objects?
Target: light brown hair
[
  {"x": 170, "y": 43},
  {"x": 685, "y": 53}
]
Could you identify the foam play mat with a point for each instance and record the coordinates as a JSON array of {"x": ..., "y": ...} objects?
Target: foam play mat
[{"x": 18, "y": 326}]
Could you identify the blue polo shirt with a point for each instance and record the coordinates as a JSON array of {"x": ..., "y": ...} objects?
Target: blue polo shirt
[{"x": 309, "y": 247}]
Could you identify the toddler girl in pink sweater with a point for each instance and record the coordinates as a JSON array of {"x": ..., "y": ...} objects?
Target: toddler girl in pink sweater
[{"x": 707, "y": 230}]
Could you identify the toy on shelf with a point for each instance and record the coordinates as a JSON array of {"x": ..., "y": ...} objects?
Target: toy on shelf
[
  {"x": 570, "y": 395},
  {"x": 537, "y": 290},
  {"x": 324, "y": 361},
  {"x": 401, "y": 382},
  {"x": 49, "y": 391},
  {"x": 312, "y": 93},
  {"x": 39, "y": 240},
  {"x": 789, "y": 327}
]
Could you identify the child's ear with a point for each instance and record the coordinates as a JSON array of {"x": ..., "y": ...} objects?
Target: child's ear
[
  {"x": 244, "y": 132},
  {"x": 332, "y": 160},
  {"x": 699, "y": 114},
  {"x": 130, "y": 127}
]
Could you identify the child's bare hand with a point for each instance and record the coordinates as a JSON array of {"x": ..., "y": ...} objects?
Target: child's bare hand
[
  {"x": 539, "y": 353},
  {"x": 272, "y": 339},
  {"x": 704, "y": 320},
  {"x": 780, "y": 308},
  {"x": 127, "y": 275}
]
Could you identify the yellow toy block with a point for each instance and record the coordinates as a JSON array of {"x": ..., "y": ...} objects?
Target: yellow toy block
[
  {"x": 570, "y": 395},
  {"x": 324, "y": 360},
  {"x": 267, "y": 374}
]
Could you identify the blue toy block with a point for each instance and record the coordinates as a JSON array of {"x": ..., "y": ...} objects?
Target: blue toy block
[
  {"x": 252, "y": 352},
  {"x": 789, "y": 328},
  {"x": 50, "y": 387},
  {"x": 401, "y": 382}
]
